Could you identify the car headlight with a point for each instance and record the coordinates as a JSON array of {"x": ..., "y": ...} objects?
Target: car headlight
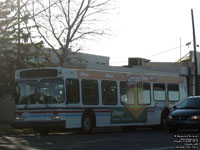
[
  {"x": 169, "y": 117},
  {"x": 195, "y": 117}
]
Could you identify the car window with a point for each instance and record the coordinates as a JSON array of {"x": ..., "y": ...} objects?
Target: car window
[{"x": 190, "y": 103}]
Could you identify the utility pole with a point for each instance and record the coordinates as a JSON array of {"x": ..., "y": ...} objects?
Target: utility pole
[
  {"x": 195, "y": 56},
  {"x": 18, "y": 38},
  {"x": 180, "y": 58}
]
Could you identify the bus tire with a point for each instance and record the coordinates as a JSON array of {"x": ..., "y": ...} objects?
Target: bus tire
[
  {"x": 164, "y": 118},
  {"x": 164, "y": 122},
  {"x": 87, "y": 123}
]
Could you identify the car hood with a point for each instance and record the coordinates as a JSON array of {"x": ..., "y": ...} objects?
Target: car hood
[{"x": 185, "y": 112}]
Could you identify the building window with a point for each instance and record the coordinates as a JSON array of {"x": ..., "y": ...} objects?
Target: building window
[
  {"x": 159, "y": 92},
  {"x": 72, "y": 91},
  {"x": 173, "y": 92},
  {"x": 109, "y": 93},
  {"x": 90, "y": 94}
]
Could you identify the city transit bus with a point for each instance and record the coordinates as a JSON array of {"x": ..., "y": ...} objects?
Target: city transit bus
[{"x": 62, "y": 98}]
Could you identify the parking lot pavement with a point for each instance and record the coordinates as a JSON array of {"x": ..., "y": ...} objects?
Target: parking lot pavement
[
  {"x": 140, "y": 139},
  {"x": 5, "y": 129}
]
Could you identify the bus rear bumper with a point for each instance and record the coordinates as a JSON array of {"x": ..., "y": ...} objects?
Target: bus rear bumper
[{"x": 48, "y": 124}]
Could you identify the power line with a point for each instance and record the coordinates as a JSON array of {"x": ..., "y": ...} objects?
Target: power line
[
  {"x": 182, "y": 58},
  {"x": 165, "y": 51},
  {"x": 162, "y": 52}
]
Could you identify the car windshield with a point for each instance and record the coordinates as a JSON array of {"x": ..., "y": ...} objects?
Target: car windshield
[{"x": 190, "y": 103}]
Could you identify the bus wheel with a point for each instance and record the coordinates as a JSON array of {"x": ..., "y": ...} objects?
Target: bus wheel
[
  {"x": 87, "y": 124},
  {"x": 164, "y": 118}
]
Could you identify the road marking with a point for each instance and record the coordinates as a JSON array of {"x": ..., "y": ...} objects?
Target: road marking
[
  {"x": 161, "y": 148},
  {"x": 94, "y": 141},
  {"x": 16, "y": 143}
]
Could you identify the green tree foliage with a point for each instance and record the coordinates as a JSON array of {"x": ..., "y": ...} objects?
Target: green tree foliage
[
  {"x": 7, "y": 37},
  {"x": 9, "y": 53},
  {"x": 9, "y": 23}
]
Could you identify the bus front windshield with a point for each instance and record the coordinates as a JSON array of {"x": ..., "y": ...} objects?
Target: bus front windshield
[
  {"x": 48, "y": 91},
  {"x": 26, "y": 92},
  {"x": 51, "y": 91}
]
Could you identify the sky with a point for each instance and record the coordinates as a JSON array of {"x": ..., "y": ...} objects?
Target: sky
[{"x": 151, "y": 29}]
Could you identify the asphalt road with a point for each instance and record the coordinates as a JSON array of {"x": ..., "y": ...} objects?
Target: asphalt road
[{"x": 142, "y": 139}]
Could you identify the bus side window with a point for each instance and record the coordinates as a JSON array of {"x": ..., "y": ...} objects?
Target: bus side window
[
  {"x": 173, "y": 92},
  {"x": 90, "y": 94},
  {"x": 159, "y": 92},
  {"x": 144, "y": 94},
  {"x": 123, "y": 92},
  {"x": 72, "y": 91},
  {"x": 109, "y": 92}
]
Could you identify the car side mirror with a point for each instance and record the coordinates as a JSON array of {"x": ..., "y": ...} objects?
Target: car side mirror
[{"x": 174, "y": 107}]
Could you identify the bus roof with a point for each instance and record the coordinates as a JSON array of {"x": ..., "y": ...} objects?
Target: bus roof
[{"x": 104, "y": 72}]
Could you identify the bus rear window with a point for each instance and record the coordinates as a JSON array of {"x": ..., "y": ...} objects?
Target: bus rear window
[
  {"x": 144, "y": 94},
  {"x": 90, "y": 94},
  {"x": 72, "y": 91},
  {"x": 159, "y": 92},
  {"x": 123, "y": 92},
  {"x": 173, "y": 92},
  {"x": 109, "y": 92},
  {"x": 36, "y": 73}
]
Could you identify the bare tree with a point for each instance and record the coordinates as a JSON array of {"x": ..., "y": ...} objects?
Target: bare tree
[{"x": 64, "y": 24}]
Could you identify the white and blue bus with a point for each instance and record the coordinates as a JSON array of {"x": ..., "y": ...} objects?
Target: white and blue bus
[{"x": 61, "y": 98}]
